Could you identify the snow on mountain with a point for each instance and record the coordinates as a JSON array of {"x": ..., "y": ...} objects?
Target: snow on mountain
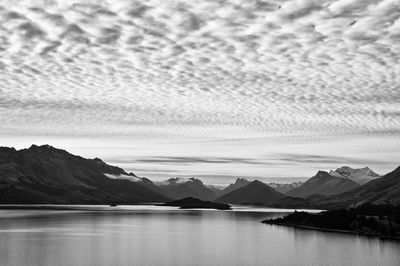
[
  {"x": 323, "y": 184},
  {"x": 360, "y": 176},
  {"x": 285, "y": 187}
]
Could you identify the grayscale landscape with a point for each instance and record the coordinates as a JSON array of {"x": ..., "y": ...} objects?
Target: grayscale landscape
[{"x": 199, "y": 132}]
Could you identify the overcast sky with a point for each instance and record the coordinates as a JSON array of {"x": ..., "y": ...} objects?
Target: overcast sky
[{"x": 205, "y": 88}]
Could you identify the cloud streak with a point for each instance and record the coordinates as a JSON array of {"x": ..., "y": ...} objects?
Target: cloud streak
[
  {"x": 331, "y": 160},
  {"x": 181, "y": 160}
]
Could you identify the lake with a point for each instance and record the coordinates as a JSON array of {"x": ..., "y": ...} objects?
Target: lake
[{"x": 151, "y": 235}]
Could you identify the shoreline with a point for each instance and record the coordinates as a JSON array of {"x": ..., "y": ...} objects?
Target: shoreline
[
  {"x": 62, "y": 207},
  {"x": 305, "y": 227}
]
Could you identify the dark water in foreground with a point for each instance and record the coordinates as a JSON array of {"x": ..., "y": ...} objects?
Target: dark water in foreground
[{"x": 148, "y": 235}]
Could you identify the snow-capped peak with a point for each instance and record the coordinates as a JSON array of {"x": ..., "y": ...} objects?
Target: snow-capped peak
[{"x": 360, "y": 176}]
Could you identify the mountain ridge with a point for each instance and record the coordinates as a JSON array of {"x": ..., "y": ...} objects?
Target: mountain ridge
[
  {"x": 239, "y": 182},
  {"x": 256, "y": 192},
  {"x": 323, "y": 184},
  {"x": 44, "y": 174},
  {"x": 360, "y": 176},
  {"x": 383, "y": 190}
]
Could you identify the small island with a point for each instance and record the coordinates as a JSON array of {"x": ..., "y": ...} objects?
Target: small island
[
  {"x": 193, "y": 203},
  {"x": 371, "y": 220}
]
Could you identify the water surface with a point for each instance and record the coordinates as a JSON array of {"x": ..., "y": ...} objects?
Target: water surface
[{"x": 150, "y": 235}]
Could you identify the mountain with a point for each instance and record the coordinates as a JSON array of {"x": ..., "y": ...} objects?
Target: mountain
[
  {"x": 178, "y": 188},
  {"x": 44, "y": 174},
  {"x": 378, "y": 191},
  {"x": 360, "y": 176},
  {"x": 240, "y": 182},
  {"x": 280, "y": 187},
  {"x": 217, "y": 190},
  {"x": 323, "y": 184},
  {"x": 284, "y": 188},
  {"x": 255, "y": 192}
]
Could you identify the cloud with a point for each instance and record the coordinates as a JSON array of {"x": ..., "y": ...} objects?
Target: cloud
[
  {"x": 292, "y": 71},
  {"x": 181, "y": 160},
  {"x": 324, "y": 159}
]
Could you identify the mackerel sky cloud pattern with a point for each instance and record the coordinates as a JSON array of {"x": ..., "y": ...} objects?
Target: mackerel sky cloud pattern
[{"x": 262, "y": 77}]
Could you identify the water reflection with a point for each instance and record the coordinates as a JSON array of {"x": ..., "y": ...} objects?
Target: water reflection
[{"x": 149, "y": 235}]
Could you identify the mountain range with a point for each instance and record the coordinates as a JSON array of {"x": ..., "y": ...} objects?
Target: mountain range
[
  {"x": 285, "y": 187},
  {"x": 178, "y": 188},
  {"x": 383, "y": 190},
  {"x": 46, "y": 175}
]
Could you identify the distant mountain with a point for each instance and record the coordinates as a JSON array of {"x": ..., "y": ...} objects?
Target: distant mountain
[
  {"x": 217, "y": 190},
  {"x": 43, "y": 174},
  {"x": 379, "y": 191},
  {"x": 240, "y": 182},
  {"x": 284, "y": 188},
  {"x": 323, "y": 184},
  {"x": 280, "y": 187},
  {"x": 255, "y": 192},
  {"x": 360, "y": 176},
  {"x": 178, "y": 188}
]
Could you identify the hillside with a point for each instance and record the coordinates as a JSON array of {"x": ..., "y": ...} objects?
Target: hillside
[
  {"x": 384, "y": 190},
  {"x": 323, "y": 184},
  {"x": 254, "y": 193},
  {"x": 43, "y": 174}
]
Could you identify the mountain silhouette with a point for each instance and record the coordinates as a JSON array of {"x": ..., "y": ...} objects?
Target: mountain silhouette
[
  {"x": 255, "y": 192},
  {"x": 44, "y": 174},
  {"x": 360, "y": 176},
  {"x": 323, "y": 184},
  {"x": 384, "y": 190}
]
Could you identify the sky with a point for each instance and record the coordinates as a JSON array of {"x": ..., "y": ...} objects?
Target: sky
[{"x": 215, "y": 89}]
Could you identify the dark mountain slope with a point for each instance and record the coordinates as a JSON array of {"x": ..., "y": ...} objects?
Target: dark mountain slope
[
  {"x": 43, "y": 174},
  {"x": 254, "y": 193},
  {"x": 384, "y": 190},
  {"x": 323, "y": 184}
]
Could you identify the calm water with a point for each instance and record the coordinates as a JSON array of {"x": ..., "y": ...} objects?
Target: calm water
[{"x": 148, "y": 235}]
